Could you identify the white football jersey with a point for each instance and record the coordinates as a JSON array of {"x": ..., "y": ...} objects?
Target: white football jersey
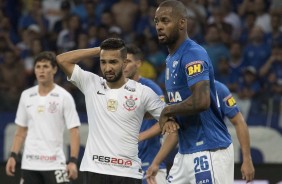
[
  {"x": 46, "y": 118},
  {"x": 114, "y": 118}
]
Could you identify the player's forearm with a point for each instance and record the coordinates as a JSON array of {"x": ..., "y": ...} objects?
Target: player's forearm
[
  {"x": 75, "y": 142},
  {"x": 199, "y": 101},
  {"x": 242, "y": 135},
  {"x": 151, "y": 132},
  {"x": 73, "y": 57},
  {"x": 67, "y": 60},
  {"x": 169, "y": 144},
  {"x": 19, "y": 139}
]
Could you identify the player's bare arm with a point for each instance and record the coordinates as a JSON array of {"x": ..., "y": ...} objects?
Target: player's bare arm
[
  {"x": 243, "y": 136},
  {"x": 198, "y": 101},
  {"x": 19, "y": 138},
  {"x": 75, "y": 143},
  {"x": 67, "y": 60},
  {"x": 169, "y": 144}
]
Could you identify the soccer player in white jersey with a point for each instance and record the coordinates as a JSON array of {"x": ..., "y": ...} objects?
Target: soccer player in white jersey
[
  {"x": 43, "y": 113},
  {"x": 149, "y": 148},
  {"x": 115, "y": 108}
]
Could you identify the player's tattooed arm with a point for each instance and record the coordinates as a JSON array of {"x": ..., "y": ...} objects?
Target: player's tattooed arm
[{"x": 198, "y": 101}]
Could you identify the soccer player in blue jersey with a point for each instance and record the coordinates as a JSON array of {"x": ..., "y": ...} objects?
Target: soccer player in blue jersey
[
  {"x": 205, "y": 152},
  {"x": 149, "y": 148}
]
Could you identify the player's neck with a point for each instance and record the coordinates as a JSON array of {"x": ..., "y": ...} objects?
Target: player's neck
[
  {"x": 136, "y": 77},
  {"x": 118, "y": 84},
  {"x": 173, "y": 47},
  {"x": 45, "y": 88}
]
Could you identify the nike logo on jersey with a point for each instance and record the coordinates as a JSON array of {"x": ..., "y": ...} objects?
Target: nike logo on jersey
[
  {"x": 99, "y": 93},
  {"x": 28, "y": 106}
]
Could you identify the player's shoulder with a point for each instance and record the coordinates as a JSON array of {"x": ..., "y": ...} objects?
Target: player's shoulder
[
  {"x": 30, "y": 92},
  {"x": 59, "y": 91},
  {"x": 151, "y": 84},
  {"x": 194, "y": 50},
  {"x": 221, "y": 87}
]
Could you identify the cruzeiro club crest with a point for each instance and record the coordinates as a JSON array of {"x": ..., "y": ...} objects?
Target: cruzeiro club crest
[{"x": 130, "y": 104}]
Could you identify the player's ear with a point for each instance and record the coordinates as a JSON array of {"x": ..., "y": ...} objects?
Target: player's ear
[
  {"x": 182, "y": 23},
  {"x": 55, "y": 69}
]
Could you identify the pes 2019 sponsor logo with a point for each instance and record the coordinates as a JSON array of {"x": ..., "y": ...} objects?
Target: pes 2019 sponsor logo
[{"x": 112, "y": 161}]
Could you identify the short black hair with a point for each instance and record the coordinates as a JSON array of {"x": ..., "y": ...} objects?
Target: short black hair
[
  {"x": 114, "y": 44},
  {"x": 178, "y": 7},
  {"x": 135, "y": 51},
  {"x": 46, "y": 55}
]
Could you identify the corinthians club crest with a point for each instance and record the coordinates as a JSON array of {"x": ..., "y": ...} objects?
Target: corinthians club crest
[{"x": 130, "y": 104}]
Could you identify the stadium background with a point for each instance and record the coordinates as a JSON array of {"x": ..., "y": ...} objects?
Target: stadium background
[{"x": 243, "y": 39}]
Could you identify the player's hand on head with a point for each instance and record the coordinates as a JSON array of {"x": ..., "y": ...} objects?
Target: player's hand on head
[
  {"x": 11, "y": 167},
  {"x": 72, "y": 171},
  {"x": 247, "y": 170},
  {"x": 151, "y": 174}
]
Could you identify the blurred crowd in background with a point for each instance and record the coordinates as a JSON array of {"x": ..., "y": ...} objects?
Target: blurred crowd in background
[{"x": 242, "y": 37}]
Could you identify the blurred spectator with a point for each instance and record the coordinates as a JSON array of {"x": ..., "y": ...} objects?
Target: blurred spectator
[
  {"x": 225, "y": 29},
  {"x": 271, "y": 72},
  {"x": 194, "y": 30},
  {"x": 256, "y": 51},
  {"x": 34, "y": 16},
  {"x": 275, "y": 36},
  {"x": 145, "y": 23},
  {"x": 262, "y": 15},
  {"x": 248, "y": 24},
  {"x": 214, "y": 46},
  {"x": 125, "y": 12},
  {"x": 92, "y": 36},
  {"x": 249, "y": 85},
  {"x": 67, "y": 38},
  {"x": 6, "y": 28},
  {"x": 12, "y": 81},
  {"x": 51, "y": 10},
  {"x": 65, "y": 10},
  {"x": 224, "y": 13},
  {"x": 236, "y": 65},
  {"x": 223, "y": 71}
]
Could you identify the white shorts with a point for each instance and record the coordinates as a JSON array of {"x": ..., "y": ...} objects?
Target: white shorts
[{"x": 205, "y": 167}]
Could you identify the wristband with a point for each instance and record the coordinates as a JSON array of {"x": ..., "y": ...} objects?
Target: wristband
[
  {"x": 73, "y": 160},
  {"x": 14, "y": 155}
]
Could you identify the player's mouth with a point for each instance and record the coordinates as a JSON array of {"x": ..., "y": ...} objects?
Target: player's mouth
[{"x": 161, "y": 36}]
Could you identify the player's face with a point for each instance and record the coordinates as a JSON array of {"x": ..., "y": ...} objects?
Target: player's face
[
  {"x": 131, "y": 66},
  {"x": 112, "y": 65},
  {"x": 44, "y": 71},
  {"x": 166, "y": 26}
]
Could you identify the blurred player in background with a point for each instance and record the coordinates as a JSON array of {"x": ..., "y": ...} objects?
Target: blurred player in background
[
  {"x": 230, "y": 110},
  {"x": 43, "y": 113},
  {"x": 205, "y": 152},
  {"x": 115, "y": 107},
  {"x": 149, "y": 148}
]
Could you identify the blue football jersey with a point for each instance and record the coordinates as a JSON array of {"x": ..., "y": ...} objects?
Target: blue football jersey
[
  {"x": 149, "y": 148},
  {"x": 206, "y": 130},
  {"x": 228, "y": 104}
]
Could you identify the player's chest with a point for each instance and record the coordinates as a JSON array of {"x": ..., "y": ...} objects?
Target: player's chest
[
  {"x": 120, "y": 100},
  {"x": 44, "y": 105}
]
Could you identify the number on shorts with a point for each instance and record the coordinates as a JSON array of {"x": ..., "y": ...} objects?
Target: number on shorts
[
  {"x": 201, "y": 164},
  {"x": 61, "y": 176}
]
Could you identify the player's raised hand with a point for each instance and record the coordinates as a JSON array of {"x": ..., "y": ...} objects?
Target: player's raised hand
[
  {"x": 247, "y": 170},
  {"x": 151, "y": 174},
  {"x": 11, "y": 167},
  {"x": 72, "y": 171}
]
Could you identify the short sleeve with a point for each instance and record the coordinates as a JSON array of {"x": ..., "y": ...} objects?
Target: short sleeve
[
  {"x": 21, "y": 115},
  {"x": 70, "y": 113}
]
